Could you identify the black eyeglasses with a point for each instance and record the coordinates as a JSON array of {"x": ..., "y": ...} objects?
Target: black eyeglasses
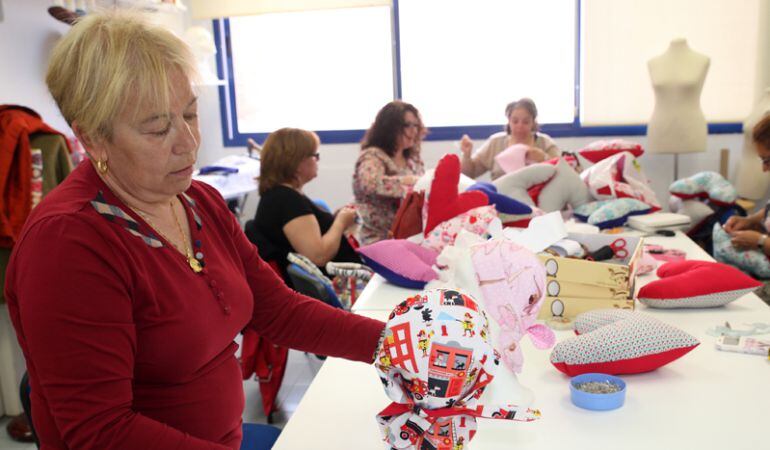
[{"x": 316, "y": 155}]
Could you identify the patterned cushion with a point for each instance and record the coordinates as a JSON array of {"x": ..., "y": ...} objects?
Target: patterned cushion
[
  {"x": 635, "y": 344},
  {"x": 709, "y": 185},
  {"x": 476, "y": 221},
  {"x": 591, "y": 320},
  {"x": 754, "y": 262},
  {"x": 696, "y": 284},
  {"x": 611, "y": 213},
  {"x": 401, "y": 262}
]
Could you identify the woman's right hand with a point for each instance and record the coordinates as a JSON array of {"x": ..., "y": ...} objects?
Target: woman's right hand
[
  {"x": 737, "y": 223},
  {"x": 466, "y": 146},
  {"x": 346, "y": 216}
]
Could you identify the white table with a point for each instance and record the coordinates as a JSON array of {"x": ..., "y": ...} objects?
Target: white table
[{"x": 706, "y": 400}]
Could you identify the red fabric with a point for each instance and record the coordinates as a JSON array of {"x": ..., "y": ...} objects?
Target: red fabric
[
  {"x": 633, "y": 365},
  {"x": 266, "y": 361},
  {"x": 127, "y": 348},
  {"x": 688, "y": 278},
  {"x": 408, "y": 221},
  {"x": 523, "y": 223},
  {"x": 444, "y": 202},
  {"x": 16, "y": 124},
  {"x": 597, "y": 155}
]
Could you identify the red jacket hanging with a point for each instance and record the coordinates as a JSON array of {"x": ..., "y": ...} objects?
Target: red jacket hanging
[{"x": 16, "y": 125}]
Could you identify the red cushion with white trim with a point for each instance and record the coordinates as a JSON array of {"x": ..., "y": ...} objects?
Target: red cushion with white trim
[
  {"x": 636, "y": 344},
  {"x": 444, "y": 202},
  {"x": 599, "y": 150},
  {"x": 696, "y": 284}
]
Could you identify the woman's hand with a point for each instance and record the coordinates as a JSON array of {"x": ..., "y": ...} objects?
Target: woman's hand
[
  {"x": 536, "y": 155},
  {"x": 346, "y": 216},
  {"x": 466, "y": 146},
  {"x": 745, "y": 240},
  {"x": 737, "y": 223}
]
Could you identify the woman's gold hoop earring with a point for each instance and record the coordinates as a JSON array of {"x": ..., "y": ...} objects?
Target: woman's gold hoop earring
[{"x": 101, "y": 166}]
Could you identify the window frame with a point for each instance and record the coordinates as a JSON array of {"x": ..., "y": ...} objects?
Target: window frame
[{"x": 232, "y": 137}]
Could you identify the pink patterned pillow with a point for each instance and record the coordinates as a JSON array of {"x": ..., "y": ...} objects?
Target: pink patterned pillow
[
  {"x": 476, "y": 221},
  {"x": 635, "y": 344},
  {"x": 401, "y": 262}
]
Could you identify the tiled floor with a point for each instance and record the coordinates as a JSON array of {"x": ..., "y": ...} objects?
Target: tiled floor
[{"x": 300, "y": 371}]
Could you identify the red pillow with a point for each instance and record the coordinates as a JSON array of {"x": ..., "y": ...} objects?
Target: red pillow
[
  {"x": 444, "y": 202},
  {"x": 635, "y": 344},
  {"x": 599, "y": 150},
  {"x": 696, "y": 284}
]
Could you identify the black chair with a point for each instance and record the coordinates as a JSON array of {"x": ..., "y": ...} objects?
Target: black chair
[
  {"x": 308, "y": 284},
  {"x": 24, "y": 391}
]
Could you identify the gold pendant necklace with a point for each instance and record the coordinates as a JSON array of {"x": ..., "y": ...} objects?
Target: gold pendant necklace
[{"x": 194, "y": 264}]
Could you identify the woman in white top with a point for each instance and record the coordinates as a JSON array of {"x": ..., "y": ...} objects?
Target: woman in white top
[{"x": 520, "y": 129}]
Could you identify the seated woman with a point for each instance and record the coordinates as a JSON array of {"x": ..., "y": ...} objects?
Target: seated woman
[
  {"x": 388, "y": 166},
  {"x": 751, "y": 232},
  {"x": 286, "y": 218},
  {"x": 520, "y": 129},
  {"x": 129, "y": 282}
]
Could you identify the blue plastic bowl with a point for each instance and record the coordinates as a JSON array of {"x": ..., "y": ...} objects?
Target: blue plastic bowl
[{"x": 597, "y": 402}]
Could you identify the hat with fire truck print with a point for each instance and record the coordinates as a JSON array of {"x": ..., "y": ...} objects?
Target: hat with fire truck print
[{"x": 434, "y": 362}]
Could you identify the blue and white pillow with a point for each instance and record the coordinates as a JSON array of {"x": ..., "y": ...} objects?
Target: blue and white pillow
[
  {"x": 754, "y": 262},
  {"x": 612, "y": 212}
]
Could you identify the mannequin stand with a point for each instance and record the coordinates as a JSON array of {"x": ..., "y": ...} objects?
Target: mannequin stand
[{"x": 676, "y": 166}]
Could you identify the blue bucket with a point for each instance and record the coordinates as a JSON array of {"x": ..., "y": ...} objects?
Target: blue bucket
[{"x": 597, "y": 402}]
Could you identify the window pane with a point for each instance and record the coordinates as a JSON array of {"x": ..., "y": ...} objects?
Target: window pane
[
  {"x": 319, "y": 70},
  {"x": 620, "y": 36},
  {"x": 462, "y": 66}
]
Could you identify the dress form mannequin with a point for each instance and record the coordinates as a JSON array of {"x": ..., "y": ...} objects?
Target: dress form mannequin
[
  {"x": 750, "y": 182},
  {"x": 677, "y": 124}
]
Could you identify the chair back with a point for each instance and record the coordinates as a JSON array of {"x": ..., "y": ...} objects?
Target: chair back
[
  {"x": 257, "y": 436},
  {"x": 310, "y": 285}
]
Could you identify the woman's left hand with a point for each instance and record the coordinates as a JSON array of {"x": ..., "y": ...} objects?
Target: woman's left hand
[{"x": 746, "y": 239}]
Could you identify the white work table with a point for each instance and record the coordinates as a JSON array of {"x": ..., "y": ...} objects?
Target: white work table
[{"x": 707, "y": 399}]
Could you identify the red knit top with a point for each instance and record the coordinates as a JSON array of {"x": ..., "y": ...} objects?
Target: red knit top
[{"x": 127, "y": 347}]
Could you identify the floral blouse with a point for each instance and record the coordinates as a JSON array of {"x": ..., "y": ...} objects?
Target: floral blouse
[{"x": 378, "y": 191}]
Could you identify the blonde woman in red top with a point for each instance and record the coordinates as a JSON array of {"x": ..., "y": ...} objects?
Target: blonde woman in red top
[{"x": 129, "y": 282}]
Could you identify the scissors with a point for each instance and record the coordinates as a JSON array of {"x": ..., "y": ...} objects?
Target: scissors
[{"x": 618, "y": 247}]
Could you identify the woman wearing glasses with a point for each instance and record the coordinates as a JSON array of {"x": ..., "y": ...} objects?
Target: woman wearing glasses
[
  {"x": 286, "y": 219},
  {"x": 521, "y": 129},
  {"x": 387, "y": 168}
]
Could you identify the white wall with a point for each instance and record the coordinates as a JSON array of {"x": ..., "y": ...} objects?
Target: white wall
[{"x": 27, "y": 34}]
